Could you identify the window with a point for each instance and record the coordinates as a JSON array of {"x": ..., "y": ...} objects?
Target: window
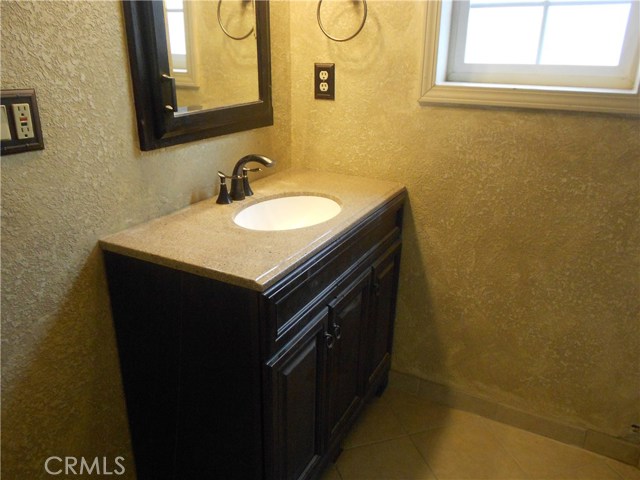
[
  {"x": 559, "y": 54},
  {"x": 179, "y": 26}
]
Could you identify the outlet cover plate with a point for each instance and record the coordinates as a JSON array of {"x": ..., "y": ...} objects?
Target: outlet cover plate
[
  {"x": 324, "y": 81},
  {"x": 8, "y": 98}
]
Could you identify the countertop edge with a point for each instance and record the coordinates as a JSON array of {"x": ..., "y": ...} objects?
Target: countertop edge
[{"x": 264, "y": 280}]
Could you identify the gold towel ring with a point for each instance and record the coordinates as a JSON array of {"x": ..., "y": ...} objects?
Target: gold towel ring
[
  {"x": 225, "y": 30},
  {"x": 364, "y": 19}
]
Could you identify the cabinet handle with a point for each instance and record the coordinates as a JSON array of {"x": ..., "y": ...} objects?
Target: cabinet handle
[
  {"x": 376, "y": 287},
  {"x": 337, "y": 331},
  {"x": 331, "y": 341}
]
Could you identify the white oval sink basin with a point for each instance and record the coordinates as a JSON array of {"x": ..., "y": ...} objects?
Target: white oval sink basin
[{"x": 287, "y": 213}]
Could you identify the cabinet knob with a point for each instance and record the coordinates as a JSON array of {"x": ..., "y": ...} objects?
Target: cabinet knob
[
  {"x": 331, "y": 341},
  {"x": 337, "y": 331},
  {"x": 376, "y": 287}
]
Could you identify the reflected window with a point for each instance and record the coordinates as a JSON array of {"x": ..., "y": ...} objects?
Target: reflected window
[{"x": 179, "y": 23}]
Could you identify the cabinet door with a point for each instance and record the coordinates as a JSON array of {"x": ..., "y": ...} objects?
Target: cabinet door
[
  {"x": 381, "y": 319},
  {"x": 294, "y": 399},
  {"x": 345, "y": 386}
]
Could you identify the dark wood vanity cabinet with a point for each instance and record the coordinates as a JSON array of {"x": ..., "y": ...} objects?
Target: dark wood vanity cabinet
[
  {"x": 347, "y": 323},
  {"x": 225, "y": 382}
]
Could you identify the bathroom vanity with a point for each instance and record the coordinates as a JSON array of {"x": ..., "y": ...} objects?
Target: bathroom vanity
[{"x": 249, "y": 354}]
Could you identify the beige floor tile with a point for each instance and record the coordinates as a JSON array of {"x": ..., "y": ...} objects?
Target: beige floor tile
[
  {"x": 467, "y": 449},
  {"x": 456, "y": 445},
  {"x": 628, "y": 472},
  {"x": 331, "y": 473},
  {"x": 544, "y": 458},
  {"x": 377, "y": 423},
  {"x": 417, "y": 414},
  {"x": 395, "y": 459}
]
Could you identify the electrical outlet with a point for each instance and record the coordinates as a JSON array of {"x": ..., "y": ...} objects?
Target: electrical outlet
[
  {"x": 21, "y": 130},
  {"x": 22, "y": 119},
  {"x": 324, "y": 81}
]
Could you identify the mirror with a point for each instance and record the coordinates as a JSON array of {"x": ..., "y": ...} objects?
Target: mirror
[
  {"x": 213, "y": 52},
  {"x": 200, "y": 68}
]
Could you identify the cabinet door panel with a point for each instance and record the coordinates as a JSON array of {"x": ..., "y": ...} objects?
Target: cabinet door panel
[
  {"x": 381, "y": 319},
  {"x": 296, "y": 378},
  {"x": 345, "y": 386}
]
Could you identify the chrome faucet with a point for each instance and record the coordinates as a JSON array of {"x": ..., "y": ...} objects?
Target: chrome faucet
[{"x": 240, "y": 187}]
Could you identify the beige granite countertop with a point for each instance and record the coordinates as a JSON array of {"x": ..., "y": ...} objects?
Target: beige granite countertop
[{"x": 203, "y": 239}]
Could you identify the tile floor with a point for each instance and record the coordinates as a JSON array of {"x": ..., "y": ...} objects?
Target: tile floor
[{"x": 403, "y": 437}]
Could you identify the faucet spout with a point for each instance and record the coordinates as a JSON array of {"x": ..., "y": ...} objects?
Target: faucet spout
[
  {"x": 267, "y": 162},
  {"x": 240, "y": 183}
]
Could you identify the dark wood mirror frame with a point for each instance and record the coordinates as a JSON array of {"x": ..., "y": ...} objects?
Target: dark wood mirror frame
[{"x": 160, "y": 127}]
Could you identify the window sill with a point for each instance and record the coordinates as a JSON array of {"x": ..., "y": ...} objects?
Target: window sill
[{"x": 517, "y": 96}]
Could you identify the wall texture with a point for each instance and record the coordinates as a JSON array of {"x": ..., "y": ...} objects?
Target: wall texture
[
  {"x": 61, "y": 391},
  {"x": 520, "y": 276},
  {"x": 520, "y": 268}
]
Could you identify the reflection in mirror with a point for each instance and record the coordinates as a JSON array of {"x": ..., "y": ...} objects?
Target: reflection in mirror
[{"x": 213, "y": 52}]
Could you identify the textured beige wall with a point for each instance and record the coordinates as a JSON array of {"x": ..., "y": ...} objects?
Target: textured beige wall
[
  {"x": 520, "y": 276},
  {"x": 61, "y": 391}
]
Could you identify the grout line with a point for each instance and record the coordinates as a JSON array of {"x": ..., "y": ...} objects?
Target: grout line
[
  {"x": 619, "y": 475},
  {"x": 406, "y": 430},
  {"x": 499, "y": 439},
  {"x": 622, "y": 475},
  {"x": 376, "y": 442},
  {"x": 387, "y": 406},
  {"x": 423, "y": 457},
  {"x": 395, "y": 415}
]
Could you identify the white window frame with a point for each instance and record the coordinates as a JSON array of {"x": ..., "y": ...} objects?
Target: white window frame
[{"x": 436, "y": 89}]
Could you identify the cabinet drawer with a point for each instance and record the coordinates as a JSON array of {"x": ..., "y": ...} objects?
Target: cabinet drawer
[{"x": 286, "y": 304}]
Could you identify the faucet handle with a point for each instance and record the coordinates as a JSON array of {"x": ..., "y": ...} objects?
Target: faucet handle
[
  {"x": 223, "y": 176},
  {"x": 245, "y": 180},
  {"x": 223, "y": 195}
]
